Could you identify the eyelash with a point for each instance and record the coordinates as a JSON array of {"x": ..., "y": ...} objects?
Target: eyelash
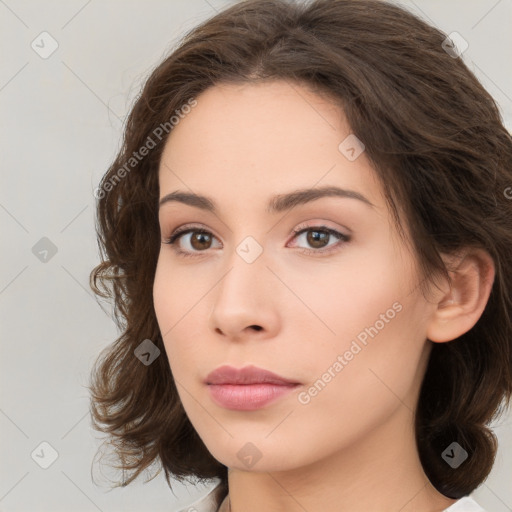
[{"x": 301, "y": 229}]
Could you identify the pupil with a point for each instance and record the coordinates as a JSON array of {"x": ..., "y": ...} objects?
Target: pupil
[
  {"x": 201, "y": 238},
  {"x": 318, "y": 236}
]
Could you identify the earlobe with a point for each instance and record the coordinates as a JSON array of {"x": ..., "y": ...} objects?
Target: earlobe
[{"x": 463, "y": 300}]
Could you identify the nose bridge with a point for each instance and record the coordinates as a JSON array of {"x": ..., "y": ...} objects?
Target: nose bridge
[
  {"x": 247, "y": 272},
  {"x": 244, "y": 295}
]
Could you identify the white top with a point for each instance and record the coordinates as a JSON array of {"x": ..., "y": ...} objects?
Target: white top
[
  {"x": 211, "y": 503},
  {"x": 466, "y": 504}
]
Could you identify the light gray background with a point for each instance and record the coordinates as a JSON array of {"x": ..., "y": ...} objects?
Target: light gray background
[{"x": 61, "y": 127}]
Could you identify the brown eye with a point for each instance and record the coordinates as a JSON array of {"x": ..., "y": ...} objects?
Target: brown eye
[
  {"x": 200, "y": 240},
  {"x": 318, "y": 238}
]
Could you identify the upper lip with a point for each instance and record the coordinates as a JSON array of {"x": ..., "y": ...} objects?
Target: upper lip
[{"x": 247, "y": 375}]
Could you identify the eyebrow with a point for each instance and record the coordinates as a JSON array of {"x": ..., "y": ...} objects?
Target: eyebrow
[{"x": 276, "y": 204}]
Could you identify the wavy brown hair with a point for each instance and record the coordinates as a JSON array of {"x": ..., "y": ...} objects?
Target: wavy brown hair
[{"x": 438, "y": 145}]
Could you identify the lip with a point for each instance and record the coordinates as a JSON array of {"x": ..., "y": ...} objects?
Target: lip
[
  {"x": 248, "y": 388},
  {"x": 247, "y": 375}
]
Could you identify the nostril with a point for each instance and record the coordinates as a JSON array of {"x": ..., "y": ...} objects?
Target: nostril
[{"x": 256, "y": 327}]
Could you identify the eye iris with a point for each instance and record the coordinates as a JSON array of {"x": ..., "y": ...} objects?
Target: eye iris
[
  {"x": 201, "y": 240},
  {"x": 199, "y": 237},
  {"x": 320, "y": 236}
]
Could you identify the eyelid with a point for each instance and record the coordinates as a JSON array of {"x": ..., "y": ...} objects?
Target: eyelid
[
  {"x": 320, "y": 225},
  {"x": 189, "y": 227},
  {"x": 301, "y": 227}
]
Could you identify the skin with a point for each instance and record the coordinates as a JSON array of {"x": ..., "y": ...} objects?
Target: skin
[{"x": 352, "y": 446}]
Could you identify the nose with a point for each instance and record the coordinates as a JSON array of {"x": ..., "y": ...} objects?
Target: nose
[{"x": 246, "y": 304}]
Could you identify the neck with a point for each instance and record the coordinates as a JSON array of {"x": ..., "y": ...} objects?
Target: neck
[{"x": 379, "y": 473}]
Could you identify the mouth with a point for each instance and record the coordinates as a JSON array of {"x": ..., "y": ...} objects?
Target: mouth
[
  {"x": 247, "y": 375},
  {"x": 248, "y": 388},
  {"x": 248, "y": 397}
]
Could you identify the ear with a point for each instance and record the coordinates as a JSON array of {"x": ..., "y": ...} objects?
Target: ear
[{"x": 460, "y": 302}]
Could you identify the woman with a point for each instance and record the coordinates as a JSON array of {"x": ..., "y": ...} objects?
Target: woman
[{"x": 307, "y": 233}]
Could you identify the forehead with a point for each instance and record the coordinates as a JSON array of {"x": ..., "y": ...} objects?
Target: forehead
[{"x": 259, "y": 139}]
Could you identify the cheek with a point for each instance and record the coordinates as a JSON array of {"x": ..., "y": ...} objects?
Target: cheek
[
  {"x": 181, "y": 320},
  {"x": 179, "y": 300},
  {"x": 354, "y": 386},
  {"x": 175, "y": 292},
  {"x": 367, "y": 315},
  {"x": 363, "y": 288},
  {"x": 163, "y": 297}
]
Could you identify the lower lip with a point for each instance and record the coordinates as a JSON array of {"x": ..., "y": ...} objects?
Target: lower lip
[{"x": 248, "y": 397}]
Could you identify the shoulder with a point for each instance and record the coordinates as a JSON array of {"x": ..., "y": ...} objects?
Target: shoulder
[
  {"x": 465, "y": 504},
  {"x": 213, "y": 501}
]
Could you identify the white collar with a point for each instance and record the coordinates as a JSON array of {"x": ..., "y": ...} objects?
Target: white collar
[{"x": 211, "y": 503}]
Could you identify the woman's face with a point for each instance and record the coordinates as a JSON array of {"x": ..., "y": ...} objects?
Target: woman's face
[{"x": 339, "y": 314}]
